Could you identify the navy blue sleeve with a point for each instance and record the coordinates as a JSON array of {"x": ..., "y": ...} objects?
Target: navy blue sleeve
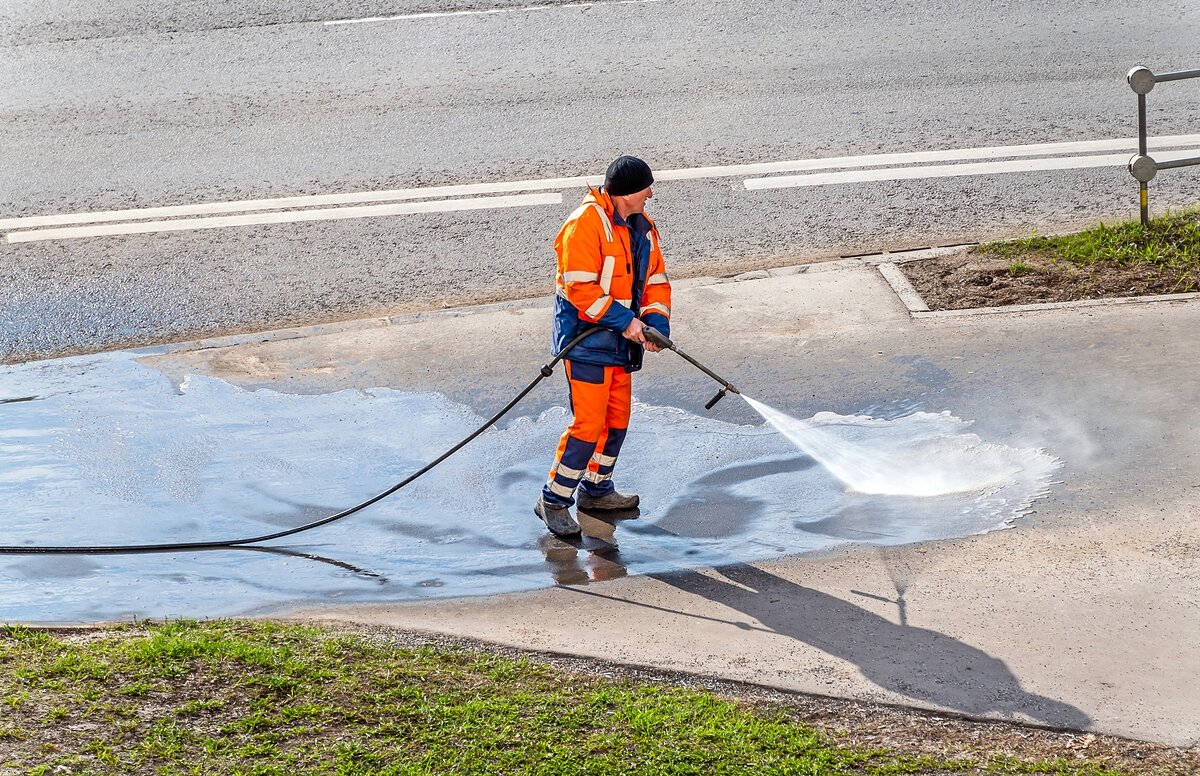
[
  {"x": 617, "y": 317},
  {"x": 658, "y": 321}
]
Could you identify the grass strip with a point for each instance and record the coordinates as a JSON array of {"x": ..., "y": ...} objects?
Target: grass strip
[
  {"x": 263, "y": 698},
  {"x": 1170, "y": 242}
]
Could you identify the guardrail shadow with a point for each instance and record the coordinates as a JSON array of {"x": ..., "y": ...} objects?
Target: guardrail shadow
[{"x": 917, "y": 663}]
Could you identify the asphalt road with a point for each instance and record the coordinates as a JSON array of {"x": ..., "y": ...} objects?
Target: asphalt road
[{"x": 162, "y": 104}]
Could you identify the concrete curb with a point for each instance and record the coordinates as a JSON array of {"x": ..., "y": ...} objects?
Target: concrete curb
[
  {"x": 400, "y": 319},
  {"x": 887, "y": 263},
  {"x": 899, "y": 283},
  {"x": 903, "y": 257},
  {"x": 1032, "y": 308}
]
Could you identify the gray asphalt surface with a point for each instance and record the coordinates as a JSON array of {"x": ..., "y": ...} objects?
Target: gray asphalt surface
[{"x": 140, "y": 105}]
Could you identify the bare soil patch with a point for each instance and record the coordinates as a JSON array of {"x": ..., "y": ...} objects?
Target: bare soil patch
[{"x": 978, "y": 279}]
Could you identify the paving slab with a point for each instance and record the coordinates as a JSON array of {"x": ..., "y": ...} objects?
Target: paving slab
[{"x": 1085, "y": 613}]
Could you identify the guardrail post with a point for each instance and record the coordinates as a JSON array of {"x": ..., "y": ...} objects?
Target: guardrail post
[
  {"x": 1142, "y": 167},
  {"x": 1143, "y": 186},
  {"x": 1141, "y": 80}
]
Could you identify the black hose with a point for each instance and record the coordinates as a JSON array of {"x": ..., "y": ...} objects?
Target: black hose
[{"x": 546, "y": 371}]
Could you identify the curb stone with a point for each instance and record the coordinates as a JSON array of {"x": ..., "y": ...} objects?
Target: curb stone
[
  {"x": 1032, "y": 308},
  {"x": 888, "y": 263},
  {"x": 401, "y": 319}
]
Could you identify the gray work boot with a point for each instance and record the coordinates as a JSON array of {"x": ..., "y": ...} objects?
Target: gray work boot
[
  {"x": 557, "y": 518},
  {"x": 610, "y": 500}
]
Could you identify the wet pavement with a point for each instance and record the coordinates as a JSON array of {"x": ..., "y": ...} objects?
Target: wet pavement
[
  {"x": 749, "y": 561},
  {"x": 103, "y": 450}
]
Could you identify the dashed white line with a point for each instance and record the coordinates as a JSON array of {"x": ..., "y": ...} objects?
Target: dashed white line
[
  {"x": 922, "y": 157},
  {"x": 934, "y": 171},
  {"x": 483, "y": 12},
  {"x": 281, "y": 203},
  {"x": 949, "y": 170},
  {"x": 551, "y": 184},
  {"x": 327, "y": 214}
]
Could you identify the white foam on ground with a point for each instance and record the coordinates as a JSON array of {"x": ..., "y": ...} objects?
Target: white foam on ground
[{"x": 114, "y": 452}]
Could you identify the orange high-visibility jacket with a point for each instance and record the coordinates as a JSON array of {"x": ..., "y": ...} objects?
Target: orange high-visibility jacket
[{"x": 599, "y": 277}]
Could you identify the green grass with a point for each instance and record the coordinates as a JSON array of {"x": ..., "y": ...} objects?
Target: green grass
[
  {"x": 1019, "y": 268},
  {"x": 262, "y": 698},
  {"x": 1171, "y": 241}
]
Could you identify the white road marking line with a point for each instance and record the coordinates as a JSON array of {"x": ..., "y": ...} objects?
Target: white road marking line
[
  {"x": 328, "y": 214},
  {"x": 280, "y": 203},
  {"x": 920, "y": 157},
  {"x": 948, "y": 170},
  {"x": 551, "y": 184},
  {"x": 483, "y": 12}
]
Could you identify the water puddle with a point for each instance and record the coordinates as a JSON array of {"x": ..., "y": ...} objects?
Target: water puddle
[{"x": 113, "y": 452}]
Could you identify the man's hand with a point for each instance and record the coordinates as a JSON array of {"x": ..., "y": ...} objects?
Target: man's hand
[{"x": 634, "y": 332}]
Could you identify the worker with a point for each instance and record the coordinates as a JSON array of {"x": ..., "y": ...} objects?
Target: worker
[{"x": 610, "y": 274}]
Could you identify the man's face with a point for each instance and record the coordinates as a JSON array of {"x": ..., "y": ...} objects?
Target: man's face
[{"x": 637, "y": 200}]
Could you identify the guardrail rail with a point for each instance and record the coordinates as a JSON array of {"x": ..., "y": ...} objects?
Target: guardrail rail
[{"x": 1142, "y": 167}]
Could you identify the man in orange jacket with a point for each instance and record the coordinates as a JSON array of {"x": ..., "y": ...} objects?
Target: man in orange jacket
[{"x": 611, "y": 274}]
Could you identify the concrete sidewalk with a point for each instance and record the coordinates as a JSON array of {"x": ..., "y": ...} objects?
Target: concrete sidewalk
[{"x": 1085, "y": 615}]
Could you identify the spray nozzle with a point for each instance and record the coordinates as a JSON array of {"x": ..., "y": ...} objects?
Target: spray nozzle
[
  {"x": 727, "y": 388},
  {"x": 713, "y": 401}
]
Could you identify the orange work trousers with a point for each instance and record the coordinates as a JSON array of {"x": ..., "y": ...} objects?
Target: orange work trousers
[{"x": 587, "y": 453}]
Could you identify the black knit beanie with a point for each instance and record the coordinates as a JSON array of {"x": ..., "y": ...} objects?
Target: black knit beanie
[{"x": 627, "y": 175}]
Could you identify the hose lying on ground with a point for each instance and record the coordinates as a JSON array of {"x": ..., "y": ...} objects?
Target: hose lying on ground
[{"x": 546, "y": 371}]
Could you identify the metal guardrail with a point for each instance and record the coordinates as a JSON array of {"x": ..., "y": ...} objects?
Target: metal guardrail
[{"x": 1142, "y": 167}]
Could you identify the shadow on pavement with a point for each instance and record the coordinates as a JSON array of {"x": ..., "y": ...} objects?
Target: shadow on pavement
[{"x": 918, "y": 663}]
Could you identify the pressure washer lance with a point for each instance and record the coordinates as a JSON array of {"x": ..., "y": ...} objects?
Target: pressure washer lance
[
  {"x": 658, "y": 338},
  {"x": 652, "y": 334}
]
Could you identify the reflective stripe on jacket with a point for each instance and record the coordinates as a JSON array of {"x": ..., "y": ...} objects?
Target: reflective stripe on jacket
[{"x": 599, "y": 277}]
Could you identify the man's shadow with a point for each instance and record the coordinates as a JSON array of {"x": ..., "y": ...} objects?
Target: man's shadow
[{"x": 918, "y": 663}]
